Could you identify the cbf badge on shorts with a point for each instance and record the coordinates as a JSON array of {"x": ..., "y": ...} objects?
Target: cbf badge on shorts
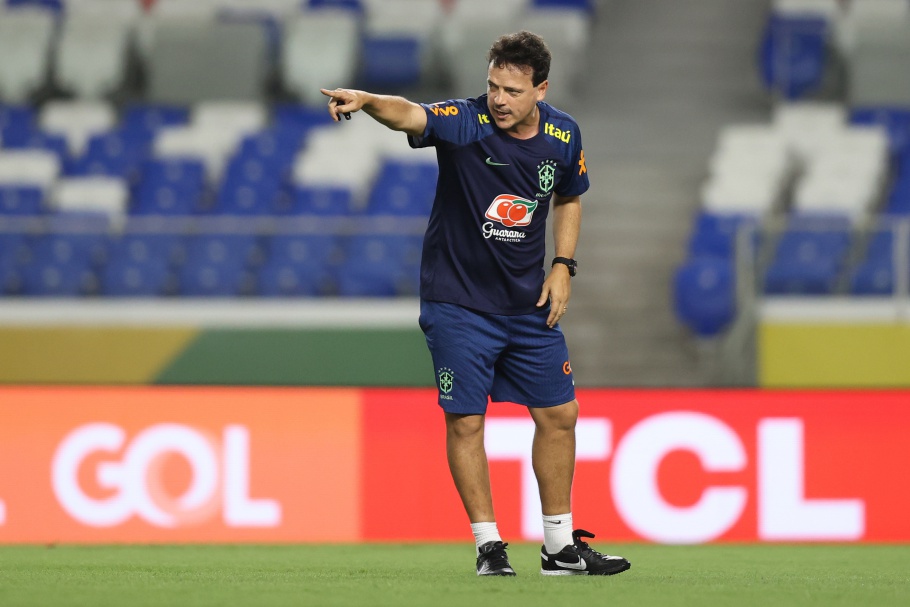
[{"x": 445, "y": 380}]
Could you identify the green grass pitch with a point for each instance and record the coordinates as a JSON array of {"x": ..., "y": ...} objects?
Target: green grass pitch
[{"x": 438, "y": 575}]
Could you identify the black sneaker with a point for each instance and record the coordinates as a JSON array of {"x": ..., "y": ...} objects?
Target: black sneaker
[
  {"x": 580, "y": 559},
  {"x": 492, "y": 560}
]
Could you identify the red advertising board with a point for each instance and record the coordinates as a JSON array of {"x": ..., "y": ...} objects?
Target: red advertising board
[{"x": 169, "y": 464}]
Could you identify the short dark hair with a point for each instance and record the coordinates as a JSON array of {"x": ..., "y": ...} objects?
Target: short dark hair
[{"x": 523, "y": 50}]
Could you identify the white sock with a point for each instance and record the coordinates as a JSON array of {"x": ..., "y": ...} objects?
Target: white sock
[
  {"x": 483, "y": 533},
  {"x": 557, "y": 532}
]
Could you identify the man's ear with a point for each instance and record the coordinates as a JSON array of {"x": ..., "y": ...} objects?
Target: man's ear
[{"x": 542, "y": 89}]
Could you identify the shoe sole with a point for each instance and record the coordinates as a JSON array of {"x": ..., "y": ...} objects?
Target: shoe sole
[{"x": 576, "y": 572}]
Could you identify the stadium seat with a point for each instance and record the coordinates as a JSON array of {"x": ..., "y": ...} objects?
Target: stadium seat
[
  {"x": 94, "y": 194},
  {"x": 399, "y": 42},
  {"x": 62, "y": 264},
  {"x": 17, "y": 122},
  {"x": 91, "y": 53},
  {"x": 320, "y": 49},
  {"x": 39, "y": 140},
  {"x": 169, "y": 187},
  {"x": 715, "y": 235},
  {"x": 704, "y": 295},
  {"x": 12, "y": 251},
  {"x": 25, "y": 45},
  {"x": 379, "y": 266},
  {"x": 809, "y": 257},
  {"x": 793, "y": 54},
  {"x": 298, "y": 265},
  {"x": 146, "y": 119},
  {"x": 115, "y": 154},
  {"x": 21, "y": 200},
  {"x": 29, "y": 167},
  {"x": 403, "y": 188},
  {"x": 873, "y": 277},
  {"x": 77, "y": 121},
  {"x": 129, "y": 278},
  {"x": 218, "y": 265},
  {"x": 318, "y": 200}
]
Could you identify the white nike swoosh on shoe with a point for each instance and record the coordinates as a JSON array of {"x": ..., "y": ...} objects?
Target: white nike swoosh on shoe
[{"x": 581, "y": 565}]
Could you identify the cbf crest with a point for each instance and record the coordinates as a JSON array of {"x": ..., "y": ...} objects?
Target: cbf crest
[
  {"x": 546, "y": 175},
  {"x": 445, "y": 378}
]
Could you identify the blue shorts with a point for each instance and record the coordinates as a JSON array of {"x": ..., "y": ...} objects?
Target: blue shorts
[{"x": 480, "y": 357}]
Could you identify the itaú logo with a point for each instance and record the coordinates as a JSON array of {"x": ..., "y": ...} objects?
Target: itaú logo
[
  {"x": 136, "y": 484},
  {"x": 784, "y": 512}
]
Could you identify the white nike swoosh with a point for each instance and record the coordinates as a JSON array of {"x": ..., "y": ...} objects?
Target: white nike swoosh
[
  {"x": 490, "y": 162},
  {"x": 581, "y": 565}
]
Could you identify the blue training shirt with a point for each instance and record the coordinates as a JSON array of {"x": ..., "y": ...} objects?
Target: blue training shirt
[{"x": 486, "y": 240}]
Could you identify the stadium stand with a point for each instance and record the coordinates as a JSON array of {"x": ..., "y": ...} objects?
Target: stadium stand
[{"x": 822, "y": 184}]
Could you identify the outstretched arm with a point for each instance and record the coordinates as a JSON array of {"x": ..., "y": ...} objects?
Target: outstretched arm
[
  {"x": 566, "y": 227},
  {"x": 397, "y": 113}
]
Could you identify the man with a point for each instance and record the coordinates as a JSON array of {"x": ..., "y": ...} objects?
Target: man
[{"x": 489, "y": 313}]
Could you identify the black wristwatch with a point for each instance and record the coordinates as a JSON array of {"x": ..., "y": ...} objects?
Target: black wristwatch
[{"x": 573, "y": 265}]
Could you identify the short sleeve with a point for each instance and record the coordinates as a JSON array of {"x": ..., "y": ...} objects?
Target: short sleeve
[
  {"x": 456, "y": 121},
  {"x": 575, "y": 180}
]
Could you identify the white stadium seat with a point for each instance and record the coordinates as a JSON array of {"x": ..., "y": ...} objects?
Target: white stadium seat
[
  {"x": 320, "y": 49},
  {"x": 25, "y": 47},
  {"x": 91, "y": 55},
  {"x": 77, "y": 121},
  {"x": 29, "y": 167},
  {"x": 106, "y": 195}
]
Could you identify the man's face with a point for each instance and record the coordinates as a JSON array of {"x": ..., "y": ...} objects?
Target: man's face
[{"x": 512, "y": 98}]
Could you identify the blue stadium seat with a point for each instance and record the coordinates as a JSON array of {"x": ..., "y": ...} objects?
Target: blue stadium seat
[
  {"x": 380, "y": 266},
  {"x": 218, "y": 265},
  {"x": 403, "y": 188},
  {"x": 704, "y": 295},
  {"x": 228, "y": 249},
  {"x": 201, "y": 278},
  {"x": 169, "y": 187},
  {"x": 793, "y": 54},
  {"x": 298, "y": 265},
  {"x": 132, "y": 278},
  {"x": 16, "y": 123},
  {"x": 807, "y": 260},
  {"x": 116, "y": 154},
  {"x": 714, "y": 235},
  {"x": 873, "y": 277},
  {"x": 12, "y": 250},
  {"x": 388, "y": 62},
  {"x": 247, "y": 198},
  {"x": 62, "y": 264},
  {"x": 354, "y": 5},
  {"x": 317, "y": 200},
  {"x": 38, "y": 140},
  {"x": 587, "y": 6},
  {"x": 21, "y": 200},
  {"x": 295, "y": 120},
  {"x": 146, "y": 119},
  {"x": 145, "y": 248}
]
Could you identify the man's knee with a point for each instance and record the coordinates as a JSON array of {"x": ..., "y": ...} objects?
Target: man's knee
[
  {"x": 560, "y": 417},
  {"x": 464, "y": 426}
]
